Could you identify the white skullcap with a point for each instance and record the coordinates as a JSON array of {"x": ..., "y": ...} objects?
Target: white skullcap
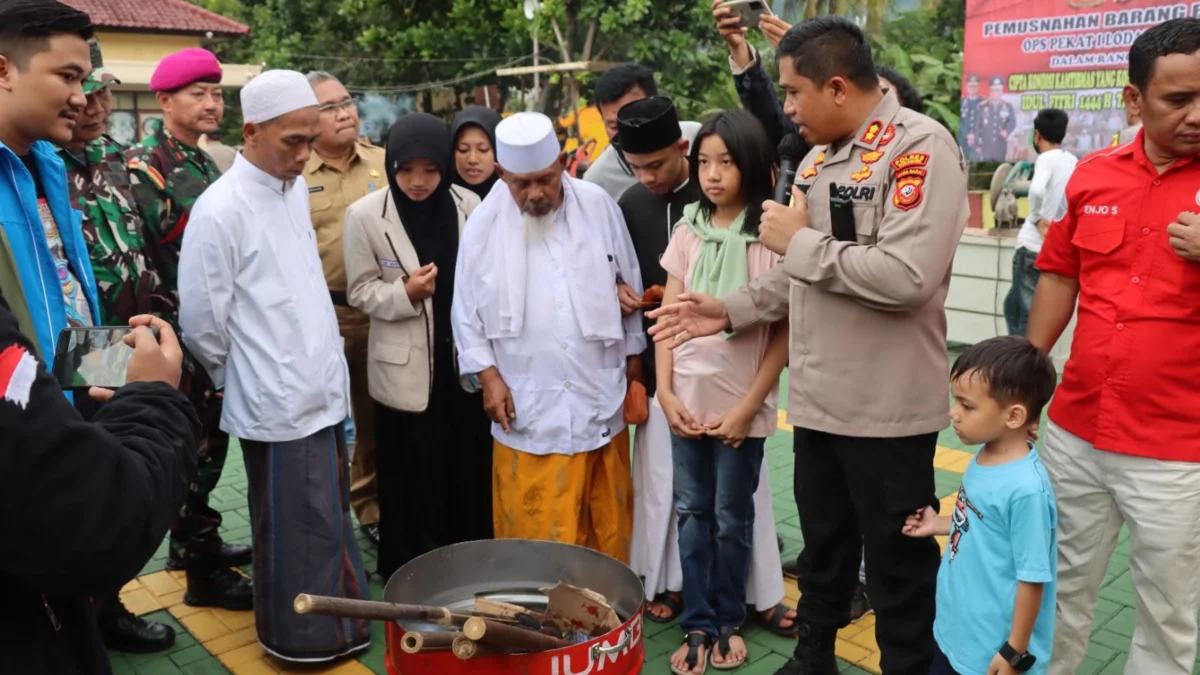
[
  {"x": 526, "y": 143},
  {"x": 276, "y": 93}
]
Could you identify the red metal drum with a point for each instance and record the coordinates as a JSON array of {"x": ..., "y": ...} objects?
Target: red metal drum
[{"x": 454, "y": 575}]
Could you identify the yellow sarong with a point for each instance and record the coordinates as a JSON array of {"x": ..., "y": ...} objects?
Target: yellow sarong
[{"x": 584, "y": 499}]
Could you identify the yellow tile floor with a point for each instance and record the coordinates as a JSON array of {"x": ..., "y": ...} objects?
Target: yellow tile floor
[{"x": 229, "y": 636}]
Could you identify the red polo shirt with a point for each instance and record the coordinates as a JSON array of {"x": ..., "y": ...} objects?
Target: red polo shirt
[{"x": 1132, "y": 383}]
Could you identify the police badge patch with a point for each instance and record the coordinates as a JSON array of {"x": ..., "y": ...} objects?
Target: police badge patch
[{"x": 910, "y": 175}]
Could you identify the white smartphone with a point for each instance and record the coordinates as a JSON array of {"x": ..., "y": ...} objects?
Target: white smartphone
[{"x": 751, "y": 11}]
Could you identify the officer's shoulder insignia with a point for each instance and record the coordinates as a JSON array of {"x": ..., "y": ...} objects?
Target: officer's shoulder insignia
[
  {"x": 809, "y": 172},
  {"x": 888, "y": 135},
  {"x": 872, "y": 132}
]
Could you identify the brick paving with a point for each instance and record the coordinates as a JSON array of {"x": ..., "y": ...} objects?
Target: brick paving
[{"x": 211, "y": 642}]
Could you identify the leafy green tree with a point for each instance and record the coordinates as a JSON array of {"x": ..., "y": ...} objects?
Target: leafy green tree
[
  {"x": 926, "y": 45},
  {"x": 398, "y": 45}
]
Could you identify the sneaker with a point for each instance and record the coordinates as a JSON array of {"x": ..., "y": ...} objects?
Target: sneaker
[{"x": 860, "y": 604}]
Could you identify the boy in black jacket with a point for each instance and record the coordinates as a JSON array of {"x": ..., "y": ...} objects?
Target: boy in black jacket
[{"x": 83, "y": 505}]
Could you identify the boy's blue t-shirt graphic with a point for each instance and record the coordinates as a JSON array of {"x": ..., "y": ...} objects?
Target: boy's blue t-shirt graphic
[{"x": 1003, "y": 530}]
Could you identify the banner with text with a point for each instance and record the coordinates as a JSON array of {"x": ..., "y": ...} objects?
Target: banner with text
[{"x": 1022, "y": 56}]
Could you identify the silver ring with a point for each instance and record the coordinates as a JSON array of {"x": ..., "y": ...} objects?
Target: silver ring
[{"x": 680, "y": 336}]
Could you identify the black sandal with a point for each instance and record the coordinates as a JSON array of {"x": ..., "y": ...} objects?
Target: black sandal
[
  {"x": 694, "y": 642},
  {"x": 670, "y": 602},
  {"x": 775, "y": 623},
  {"x": 724, "y": 649}
]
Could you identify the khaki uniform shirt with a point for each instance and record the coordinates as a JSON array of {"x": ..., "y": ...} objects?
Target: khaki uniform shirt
[
  {"x": 868, "y": 321},
  {"x": 330, "y": 192}
]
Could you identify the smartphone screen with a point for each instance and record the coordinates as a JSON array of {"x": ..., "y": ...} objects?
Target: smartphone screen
[{"x": 92, "y": 357}]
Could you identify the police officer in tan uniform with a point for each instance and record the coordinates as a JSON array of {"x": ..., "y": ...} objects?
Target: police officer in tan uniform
[
  {"x": 868, "y": 241},
  {"x": 341, "y": 171}
]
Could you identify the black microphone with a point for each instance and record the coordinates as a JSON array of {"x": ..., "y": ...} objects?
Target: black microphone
[{"x": 789, "y": 157}]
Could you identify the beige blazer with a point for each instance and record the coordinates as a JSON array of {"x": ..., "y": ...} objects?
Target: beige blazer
[{"x": 399, "y": 348}]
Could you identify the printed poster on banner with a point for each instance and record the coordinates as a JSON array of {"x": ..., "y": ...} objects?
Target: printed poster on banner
[{"x": 1023, "y": 56}]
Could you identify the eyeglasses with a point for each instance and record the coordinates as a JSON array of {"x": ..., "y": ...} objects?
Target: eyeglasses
[{"x": 337, "y": 107}]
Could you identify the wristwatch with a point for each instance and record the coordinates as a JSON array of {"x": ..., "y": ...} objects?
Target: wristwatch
[{"x": 1020, "y": 661}]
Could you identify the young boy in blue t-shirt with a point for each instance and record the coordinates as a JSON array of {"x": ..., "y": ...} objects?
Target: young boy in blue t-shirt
[{"x": 995, "y": 591}]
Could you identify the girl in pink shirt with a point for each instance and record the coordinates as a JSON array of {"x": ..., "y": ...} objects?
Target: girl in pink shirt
[{"x": 719, "y": 392}]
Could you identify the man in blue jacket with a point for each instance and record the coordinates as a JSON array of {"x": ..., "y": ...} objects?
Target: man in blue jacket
[{"x": 44, "y": 61}]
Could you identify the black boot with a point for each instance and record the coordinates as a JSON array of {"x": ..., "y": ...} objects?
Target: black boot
[
  {"x": 230, "y": 555},
  {"x": 124, "y": 632},
  {"x": 814, "y": 652},
  {"x": 218, "y": 587},
  {"x": 860, "y": 604},
  {"x": 791, "y": 568}
]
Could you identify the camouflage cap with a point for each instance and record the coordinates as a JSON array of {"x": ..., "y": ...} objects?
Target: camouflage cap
[{"x": 101, "y": 77}]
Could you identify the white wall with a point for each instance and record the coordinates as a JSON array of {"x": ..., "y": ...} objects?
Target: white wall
[{"x": 981, "y": 279}]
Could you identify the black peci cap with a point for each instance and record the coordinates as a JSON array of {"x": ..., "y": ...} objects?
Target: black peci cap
[{"x": 647, "y": 125}]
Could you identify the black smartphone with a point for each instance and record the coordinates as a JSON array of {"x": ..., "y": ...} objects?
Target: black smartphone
[{"x": 93, "y": 357}]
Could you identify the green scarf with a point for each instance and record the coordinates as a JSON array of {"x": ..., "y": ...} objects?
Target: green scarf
[{"x": 721, "y": 266}]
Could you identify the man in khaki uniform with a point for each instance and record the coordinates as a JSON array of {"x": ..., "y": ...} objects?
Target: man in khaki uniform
[
  {"x": 341, "y": 171},
  {"x": 878, "y": 207}
]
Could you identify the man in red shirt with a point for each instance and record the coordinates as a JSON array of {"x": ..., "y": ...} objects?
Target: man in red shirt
[{"x": 1123, "y": 443}]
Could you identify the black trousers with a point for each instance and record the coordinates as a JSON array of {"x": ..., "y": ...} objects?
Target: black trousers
[{"x": 856, "y": 492}]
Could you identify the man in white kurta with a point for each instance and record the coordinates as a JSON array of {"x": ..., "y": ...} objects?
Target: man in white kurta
[
  {"x": 256, "y": 312},
  {"x": 536, "y": 317}
]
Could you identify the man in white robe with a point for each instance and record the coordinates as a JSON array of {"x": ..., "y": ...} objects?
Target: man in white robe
[
  {"x": 536, "y": 317},
  {"x": 256, "y": 312}
]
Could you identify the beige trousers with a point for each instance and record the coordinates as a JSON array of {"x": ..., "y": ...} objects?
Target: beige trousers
[
  {"x": 1097, "y": 492},
  {"x": 364, "y": 488}
]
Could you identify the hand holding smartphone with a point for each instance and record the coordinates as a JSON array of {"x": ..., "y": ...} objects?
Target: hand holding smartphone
[
  {"x": 109, "y": 357},
  {"x": 750, "y": 11}
]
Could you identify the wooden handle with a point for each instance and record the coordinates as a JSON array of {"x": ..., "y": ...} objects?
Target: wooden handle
[
  {"x": 510, "y": 637},
  {"x": 366, "y": 609},
  {"x": 415, "y": 642},
  {"x": 466, "y": 649}
]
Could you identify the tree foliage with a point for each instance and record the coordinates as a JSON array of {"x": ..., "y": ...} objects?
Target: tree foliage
[
  {"x": 416, "y": 45},
  {"x": 402, "y": 44},
  {"x": 926, "y": 45}
]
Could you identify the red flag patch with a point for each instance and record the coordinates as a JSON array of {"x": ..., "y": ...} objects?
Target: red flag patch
[{"x": 18, "y": 370}]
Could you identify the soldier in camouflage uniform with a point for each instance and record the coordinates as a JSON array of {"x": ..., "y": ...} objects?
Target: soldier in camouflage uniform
[
  {"x": 168, "y": 173},
  {"x": 112, "y": 226},
  {"x": 112, "y": 229}
]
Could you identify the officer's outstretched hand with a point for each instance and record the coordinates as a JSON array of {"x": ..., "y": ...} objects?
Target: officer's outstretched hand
[
  {"x": 692, "y": 315},
  {"x": 781, "y": 222},
  {"x": 152, "y": 360}
]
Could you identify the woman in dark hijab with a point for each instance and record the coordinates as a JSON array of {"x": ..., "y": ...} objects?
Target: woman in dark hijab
[
  {"x": 474, "y": 133},
  {"x": 433, "y": 456}
]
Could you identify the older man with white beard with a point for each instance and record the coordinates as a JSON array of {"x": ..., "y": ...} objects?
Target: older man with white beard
[{"x": 536, "y": 318}]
